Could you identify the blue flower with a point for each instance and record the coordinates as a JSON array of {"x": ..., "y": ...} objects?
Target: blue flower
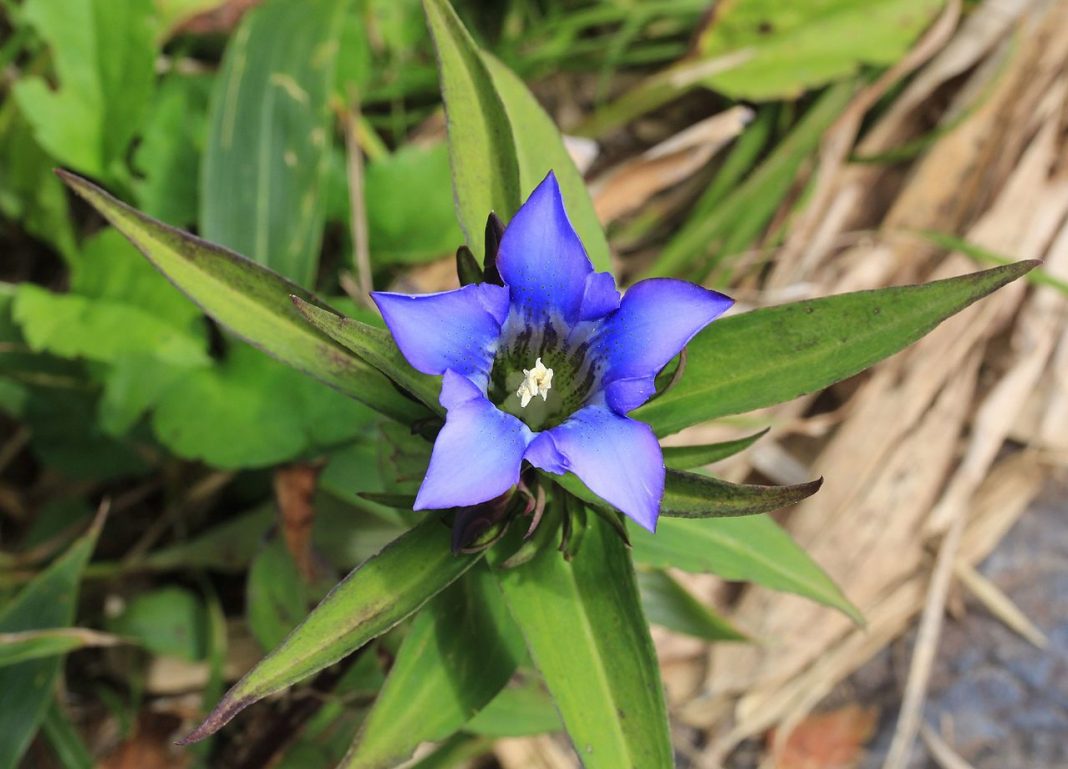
[{"x": 546, "y": 367}]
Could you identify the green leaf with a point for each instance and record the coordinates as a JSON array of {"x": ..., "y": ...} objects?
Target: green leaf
[
  {"x": 689, "y": 457},
  {"x": 250, "y": 411},
  {"x": 377, "y": 595},
  {"x": 270, "y": 125},
  {"x": 276, "y": 598},
  {"x": 376, "y": 346},
  {"x": 808, "y": 44},
  {"x": 460, "y": 652},
  {"x": 775, "y": 354},
  {"x": 541, "y": 149},
  {"x": 585, "y": 630},
  {"x": 34, "y": 644},
  {"x": 481, "y": 148},
  {"x": 67, "y": 744},
  {"x": 670, "y": 605},
  {"x": 48, "y": 601},
  {"x": 169, "y": 621},
  {"x": 117, "y": 305},
  {"x": 517, "y": 711},
  {"x": 410, "y": 214},
  {"x": 168, "y": 155},
  {"x": 1039, "y": 276},
  {"x": 104, "y": 55},
  {"x": 250, "y": 300},
  {"x": 752, "y": 549},
  {"x": 688, "y": 495}
]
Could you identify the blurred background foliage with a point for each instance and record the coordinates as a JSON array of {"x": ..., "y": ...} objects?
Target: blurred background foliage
[{"x": 309, "y": 135}]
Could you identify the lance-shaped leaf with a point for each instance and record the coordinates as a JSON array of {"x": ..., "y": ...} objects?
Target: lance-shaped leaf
[
  {"x": 540, "y": 149},
  {"x": 251, "y": 301},
  {"x": 776, "y": 354},
  {"x": 375, "y": 346},
  {"x": 751, "y": 549},
  {"x": 584, "y": 626},
  {"x": 688, "y": 495},
  {"x": 518, "y": 711},
  {"x": 46, "y": 602},
  {"x": 263, "y": 167},
  {"x": 460, "y": 652},
  {"x": 689, "y": 457},
  {"x": 670, "y": 605},
  {"x": 481, "y": 149},
  {"x": 376, "y": 596},
  {"x": 34, "y": 644}
]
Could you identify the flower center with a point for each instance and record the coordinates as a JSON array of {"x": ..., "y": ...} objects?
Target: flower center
[{"x": 537, "y": 381}]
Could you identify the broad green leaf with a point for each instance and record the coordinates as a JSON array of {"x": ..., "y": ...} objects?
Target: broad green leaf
[
  {"x": 169, "y": 621},
  {"x": 34, "y": 644},
  {"x": 517, "y": 711},
  {"x": 376, "y": 346},
  {"x": 250, "y": 300},
  {"x": 459, "y": 653},
  {"x": 751, "y": 549},
  {"x": 800, "y": 46},
  {"x": 270, "y": 125},
  {"x": 689, "y": 457},
  {"x": 117, "y": 305},
  {"x": 688, "y": 495},
  {"x": 250, "y": 411},
  {"x": 410, "y": 214},
  {"x": 481, "y": 148},
  {"x": 775, "y": 354},
  {"x": 670, "y": 605},
  {"x": 540, "y": 149},
  {"x": 377, "y": 595},
  {"x": 103, "y": 53},
  {"x": 276, "y": 598},
  {"x": 46, "y": 602},
  {"x": 729, "y": 228},
  {"x": 29, "y": 192},
  {"x": 585, "y": 630}
]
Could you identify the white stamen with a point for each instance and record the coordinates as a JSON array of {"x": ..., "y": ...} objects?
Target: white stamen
[{"x": 537, "y": 381}]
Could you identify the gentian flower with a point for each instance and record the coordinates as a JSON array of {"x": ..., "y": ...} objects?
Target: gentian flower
[{"x": 546, "y": 367}]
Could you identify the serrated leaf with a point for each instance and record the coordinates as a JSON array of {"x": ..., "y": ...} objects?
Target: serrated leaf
[
  {"x": 377, "y": 595},
  {"x": 775, "y": 354},
  {"x": 752, "y": 549},
  {"x": 808, "y": 44},
  {"x": 670, "y": 605},
  {"x": 586, "y": 633},
  {"x": 540, "y": 149},
  {"x": 250, "y": 300},
  {"x": 460, "y": 651},
  {"x": 481, "y": 148},
  {"x": 376, "y": 346},
  {"x": 48, "y": 601},
  {"x": 689, "y": 457},
  {"x": 270, "y": 118}
]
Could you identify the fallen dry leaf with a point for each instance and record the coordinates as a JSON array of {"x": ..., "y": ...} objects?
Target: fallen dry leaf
[{"x": 833, "y": 740}]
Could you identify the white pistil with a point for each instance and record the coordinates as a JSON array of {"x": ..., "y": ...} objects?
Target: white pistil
[{"x": 536, "y": 381}]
